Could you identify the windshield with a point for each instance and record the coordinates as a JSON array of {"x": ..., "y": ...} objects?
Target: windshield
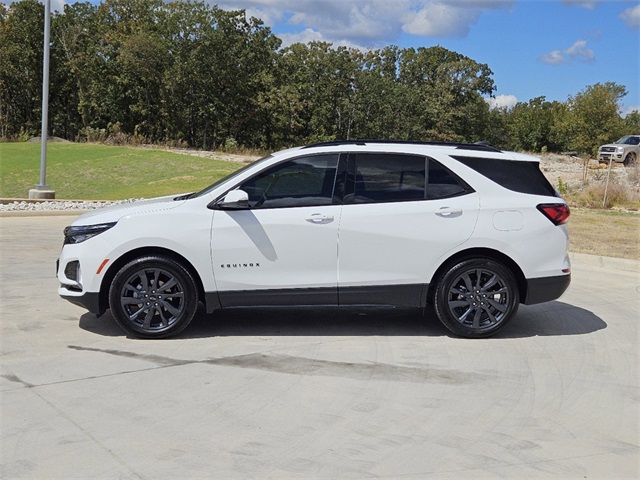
[
  {"x": 629, "y": 140},
  {"x": 228, "y": 177}
]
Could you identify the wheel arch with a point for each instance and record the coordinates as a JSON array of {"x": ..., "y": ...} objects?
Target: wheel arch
[
  {"x": 479, "y": 253},
  {"x": 114, "y": 268}
]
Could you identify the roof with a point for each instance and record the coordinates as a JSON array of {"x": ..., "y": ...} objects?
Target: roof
[{"x": 480, "y": 146}]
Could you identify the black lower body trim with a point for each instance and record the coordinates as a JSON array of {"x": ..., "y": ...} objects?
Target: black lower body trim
[
  {"x": 88, "y": 300},
  {"x": 378, "y": 295},
  {"x": 396, "y": 295},
  {"x": 545, "y": 289},
  {"x": 279, "y": 297}
]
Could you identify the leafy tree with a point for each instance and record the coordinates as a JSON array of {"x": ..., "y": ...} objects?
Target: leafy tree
[
  {"x": 532, "y": 126},
  {"x": 445, "y": 85},
  {"x": 21, "y": 51},
  {"x": 632, "y": 122},
  {"x": 594, "y": 117},
  {"x": 73, "y": 103},
  {"x": 189, "y": 72}
]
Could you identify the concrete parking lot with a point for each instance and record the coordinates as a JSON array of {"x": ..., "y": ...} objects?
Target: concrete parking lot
[{"x": 315, "y": 394}]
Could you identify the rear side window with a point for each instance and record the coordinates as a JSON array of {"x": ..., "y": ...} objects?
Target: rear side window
[
  {"x": 522, "y": 177},
  {"x": 443, "y": 183},
  {"x": 388, "y": 177}
]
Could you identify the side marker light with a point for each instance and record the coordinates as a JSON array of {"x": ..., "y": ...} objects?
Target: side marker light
[{"x": 102, "y": 265}]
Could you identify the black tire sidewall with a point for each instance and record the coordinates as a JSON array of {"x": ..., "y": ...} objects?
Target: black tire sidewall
[
  {"x": 630, "y": 159},
  {"x": 144, "y": 263},
  {"x": 445, "y": 283}
]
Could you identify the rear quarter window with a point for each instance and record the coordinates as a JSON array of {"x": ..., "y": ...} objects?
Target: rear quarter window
[{"x": 518, "y": 176}]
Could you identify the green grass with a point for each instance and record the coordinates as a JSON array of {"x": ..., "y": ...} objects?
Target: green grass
[
  {"x": 101, "y": 172},
  {"x": 603, "y": 232}
]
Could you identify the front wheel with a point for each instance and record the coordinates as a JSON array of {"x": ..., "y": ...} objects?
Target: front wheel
[
  {"x": 476, "y": 298},
  {"x": 630, "y": 159},
  {"x": 153, "y": 297}
]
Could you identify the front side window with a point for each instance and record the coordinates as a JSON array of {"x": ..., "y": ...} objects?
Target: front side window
[{"x": 304, "y": 181}]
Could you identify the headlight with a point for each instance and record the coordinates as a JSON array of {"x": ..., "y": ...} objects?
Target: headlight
[
  {"x": 619, "y": 149},
  {"x": 85, "y": 232}
]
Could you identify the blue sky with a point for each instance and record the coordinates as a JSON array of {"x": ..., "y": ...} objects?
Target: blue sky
[{"x": 551, "y": 48}]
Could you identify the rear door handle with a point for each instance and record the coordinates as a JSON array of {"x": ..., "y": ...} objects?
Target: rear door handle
[
  {"x": 448, "y": 212},
  {"x": 319, "y": 218}
]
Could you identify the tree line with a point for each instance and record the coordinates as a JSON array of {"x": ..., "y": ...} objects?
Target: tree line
[{"x": 187, "y": 73}]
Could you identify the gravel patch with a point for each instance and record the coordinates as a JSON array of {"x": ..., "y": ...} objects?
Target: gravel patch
[{"x": 59, "y": 205}]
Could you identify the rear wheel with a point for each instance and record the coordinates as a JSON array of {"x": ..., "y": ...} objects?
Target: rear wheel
[
  {"x": 153, "y": 297},
  {"x": 476, "y": 298}
]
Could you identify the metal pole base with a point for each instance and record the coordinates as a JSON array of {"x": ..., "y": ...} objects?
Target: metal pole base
[{"x": 42, "y": 192}]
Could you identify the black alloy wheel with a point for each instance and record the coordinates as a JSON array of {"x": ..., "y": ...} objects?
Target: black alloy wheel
[
  {"x": 153, "y": 297},
  {"x": 476, "y": 298}
]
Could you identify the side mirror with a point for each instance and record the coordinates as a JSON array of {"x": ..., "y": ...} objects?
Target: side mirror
[{"x": 234, "y": 200}]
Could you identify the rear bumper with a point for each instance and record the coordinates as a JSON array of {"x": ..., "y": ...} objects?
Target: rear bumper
[{"x": 545, "y": 289}]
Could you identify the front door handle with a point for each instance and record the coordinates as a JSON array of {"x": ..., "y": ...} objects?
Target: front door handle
[
  {"x": 448, "y": 212},
  {"x": 319, "y": 218}
]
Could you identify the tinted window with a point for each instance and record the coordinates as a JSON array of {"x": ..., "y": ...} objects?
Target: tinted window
[
  {"x": 399, "y": 178},
  {"x": 523, "y": 177},
  {"x": 304, "y": 181},
  {"x": 386, "y": 178},
  {"x": 444, "y": 184}
]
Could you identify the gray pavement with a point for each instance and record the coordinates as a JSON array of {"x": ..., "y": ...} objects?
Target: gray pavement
[{"x": 327, "y": 395}]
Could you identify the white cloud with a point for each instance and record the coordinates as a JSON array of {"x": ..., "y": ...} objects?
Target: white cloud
[
  {"x": 576, "y": 52},
  {"x": 57, "y": 5},
  {"x": 371, "y": 22},
  {"x": 439, "y": 19},
  {"x": 502, "y": 101},
  {"x": 554, "y": 57},
  {"x": 631, "y": 17},
  {"x": 579, "y": 51},
  {"x": 588, "y": 4},
  {"x": 630, "y": 109},
  {"x": 310, "y": 35}
]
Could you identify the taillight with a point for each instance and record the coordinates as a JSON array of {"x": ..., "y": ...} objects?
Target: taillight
[{"x": 558, "y": 213}]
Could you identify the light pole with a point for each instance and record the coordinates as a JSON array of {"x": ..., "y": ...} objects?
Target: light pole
[{"x": 42, "y": 190}]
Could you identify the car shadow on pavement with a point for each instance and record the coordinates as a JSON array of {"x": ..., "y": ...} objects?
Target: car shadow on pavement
[{"x": 549, "y": 319}]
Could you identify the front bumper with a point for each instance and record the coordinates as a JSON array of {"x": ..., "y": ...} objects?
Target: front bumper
[
  {"x": 606, "y": 156},
  {"x": 87, "y": 300}
]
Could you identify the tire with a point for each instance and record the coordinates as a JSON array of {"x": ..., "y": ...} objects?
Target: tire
[
  {"x": 153, "y": 297},
  {"x": 476, "y": 298},
  {"x": 630, "y": 159}
]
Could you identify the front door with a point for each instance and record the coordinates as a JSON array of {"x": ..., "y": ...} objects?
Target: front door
[{"x": 282, "y": 249}]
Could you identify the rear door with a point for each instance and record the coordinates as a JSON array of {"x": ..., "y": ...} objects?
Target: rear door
[{"x": 401, "y": 214}]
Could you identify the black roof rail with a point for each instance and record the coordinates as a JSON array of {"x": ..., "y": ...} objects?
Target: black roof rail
[{"x": 480, "y": 146}]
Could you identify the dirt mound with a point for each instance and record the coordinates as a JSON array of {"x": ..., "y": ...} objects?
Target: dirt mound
[{"x": 49, "y": 139}]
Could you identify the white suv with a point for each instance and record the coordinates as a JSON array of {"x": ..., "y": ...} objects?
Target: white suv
[
  {"x": 626, "y": 150},
  {"x": 474, "y": 230}
]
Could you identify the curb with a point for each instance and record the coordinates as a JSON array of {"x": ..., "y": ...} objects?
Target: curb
[
  {"x": 42, "y": 213},
  {"x": 613, "y": 263}
]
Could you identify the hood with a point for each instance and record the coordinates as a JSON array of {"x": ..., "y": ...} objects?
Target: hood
[{"x": 116, "y": 212}]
